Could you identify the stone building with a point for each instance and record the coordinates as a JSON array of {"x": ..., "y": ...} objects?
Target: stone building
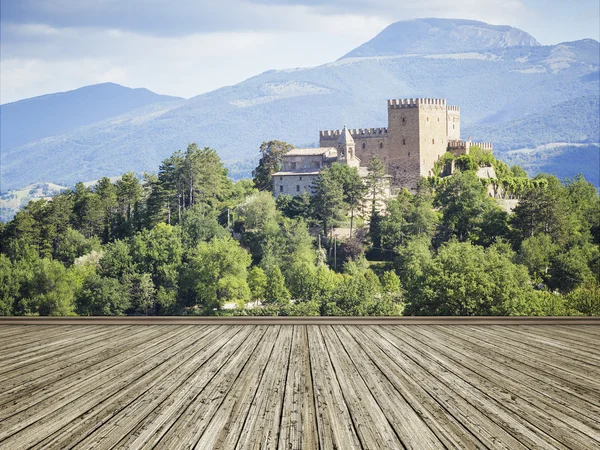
[
  {"x": 300, "y": 166},
  {"x": 419, "y": 131}
]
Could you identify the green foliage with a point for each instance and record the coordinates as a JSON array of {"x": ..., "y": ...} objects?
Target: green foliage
[
  {"x": 269, "y": 163},
  {"x": 276, "y": 292},
  {"x": 463, "y": 279},
  {"x": 103, "y": 296},
  {"x": 216, "y": 273},
  {"x": 468, "y": 214},
  {"x": 328, "y": 199},
  {"x": 257, "y": 282},
  {"x": 160, "y": 245}
]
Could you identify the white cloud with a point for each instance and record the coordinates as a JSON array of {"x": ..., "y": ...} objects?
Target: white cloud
[{"x": 189, "y": 47}]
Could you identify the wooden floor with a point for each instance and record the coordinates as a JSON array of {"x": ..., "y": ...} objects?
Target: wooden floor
[{"x": 299, "y": 386}]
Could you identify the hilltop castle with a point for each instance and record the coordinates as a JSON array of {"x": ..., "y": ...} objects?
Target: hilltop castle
[{"x": 419, "y": 131}]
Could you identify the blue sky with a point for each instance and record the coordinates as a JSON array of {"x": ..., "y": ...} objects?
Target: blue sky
[{"x": 188, "y": 47}]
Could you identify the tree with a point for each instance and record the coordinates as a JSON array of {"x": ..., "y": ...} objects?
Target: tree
[
  {"x": 328, "y": 199},
  {"x": 257, "y": 282},
  {"x": 376, "y": 182},
  {"x": 103, "y": 296},
  {"x": 276, "y": 292},
  {"x": 141, "y": 292},
  {"x": 259, "y": 210},
  {"x": 537, "y": 253},
  {"x": 74, "y": 245},
  {"x": 464, "y": 204},
  {"x": 467, "y": 280},
  {"x": 353, "y": 187},
  {"x": 269, "y": 163},
  {"x": 544, "y": 207},
  {"x": 216, "y": 273},
  {"x": 206, "y": 177}
]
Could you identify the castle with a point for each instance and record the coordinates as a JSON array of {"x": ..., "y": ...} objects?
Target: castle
[{"x": 419, "y": 131}]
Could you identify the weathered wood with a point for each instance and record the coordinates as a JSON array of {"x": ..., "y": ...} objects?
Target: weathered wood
[
  {"x": 299, "y": 418},
  {"x": 329, "y": 385},
  {"x": 266, "y": 320}
]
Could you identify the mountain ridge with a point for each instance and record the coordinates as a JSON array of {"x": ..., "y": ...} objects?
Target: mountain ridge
[{"x": 294, "y": 104}]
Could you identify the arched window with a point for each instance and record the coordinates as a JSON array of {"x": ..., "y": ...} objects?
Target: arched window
[{"x": 364, "y": 145}]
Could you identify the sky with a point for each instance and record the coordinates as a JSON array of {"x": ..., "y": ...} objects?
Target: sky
[{"x": 188, "y": 47}]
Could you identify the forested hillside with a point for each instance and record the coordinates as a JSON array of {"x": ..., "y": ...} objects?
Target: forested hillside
[{"x": 190, "y": 241}]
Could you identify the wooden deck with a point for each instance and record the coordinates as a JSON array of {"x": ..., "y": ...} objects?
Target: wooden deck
[{"x": 299, "y": 386}]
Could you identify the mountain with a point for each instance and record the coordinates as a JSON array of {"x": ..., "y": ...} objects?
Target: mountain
[
  {"x": 434, "y": 36},
  {"x": 48, "y": 115},
  {"x": 506, "y": 84}
]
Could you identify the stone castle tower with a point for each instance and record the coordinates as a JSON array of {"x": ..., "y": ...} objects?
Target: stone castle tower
[
  {"x": 346, "y": 148},
  {"x": 419, "y": 131}
]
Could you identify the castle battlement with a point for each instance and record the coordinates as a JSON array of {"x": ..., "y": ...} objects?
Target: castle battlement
[
  {"x": 483, "y": 145},
  {"x": 416, "y": 103},
  {"x": 355, "y": 132},
  {"x": 453, "y": 108},
  {"x": 457, "y": 144}
]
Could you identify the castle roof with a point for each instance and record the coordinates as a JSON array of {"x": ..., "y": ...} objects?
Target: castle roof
[
  {"x": 309, "y": 151},
  {"x": 345, "y": 138}
]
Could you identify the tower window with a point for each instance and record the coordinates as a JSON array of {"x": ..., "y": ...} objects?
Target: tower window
[
  {"x": 428, "y": 119},
  {"x": 433, "y": 141},
  {"x": 453, "y": 126},
  {"x": 281, "y": 188},
  {"x": 300, "y": 178},
  {"x": 364, "y": 145},
  {"x": 381, "y": 145},
  {"x": 409, "y": 154},
  {"x": 280, "y": 178},
  {"x": 403, "y": 141},
  {"x": 438, "y": 119},
  {"x": 297, "y": 188},
  {"x": 403, "y": 120}
]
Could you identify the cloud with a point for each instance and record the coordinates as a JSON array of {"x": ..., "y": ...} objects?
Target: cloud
[{"x": 188, "y": 47}]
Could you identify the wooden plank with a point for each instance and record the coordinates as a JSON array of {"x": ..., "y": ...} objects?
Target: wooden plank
[
  {"x": 443, "y": 414},
  {"x": 53, "y": 415},
  {"x": 263, "y": 420},
  {"x": 28, "y": 362},
  {"x": 370, "y": 422},
  {"x": 191, "y": 425},
  {"x": 97, "y": 382},
  {"x": 266, "y": 320},
  {"x": 412, "y": 430},
  {"x": 493, "y": 425},
  {"x": 530, "y": 424},
  {"x": 334, "y": 422},
  {"x": 58, "y": 362},
  {"x": 519, "y": 397},
  {"x": 104, "y": 424},
  {"x": 525, "y": 373},
  {"x": 557, "y": 367},
  {"x": 224, "y": 428},
  {"x": 28, "y": 393},
  {"x": 299, "y": 421},
  {"x": 158, "y": 415}
]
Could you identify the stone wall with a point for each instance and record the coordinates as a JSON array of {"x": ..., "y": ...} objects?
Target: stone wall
[{"x": 293, "y": 184}]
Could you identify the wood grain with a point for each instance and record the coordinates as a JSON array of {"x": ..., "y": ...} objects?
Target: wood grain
[{"x": 323, "y": 385}]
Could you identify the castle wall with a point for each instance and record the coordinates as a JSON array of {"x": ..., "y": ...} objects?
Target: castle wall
[
  {"x": 433, "y": 139},
  {"x": 404, "y": 130},
  {"x": 302, "y": 162},
  {"x": 293, "y": 184},
  {"x": 453, "y": 122}
]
